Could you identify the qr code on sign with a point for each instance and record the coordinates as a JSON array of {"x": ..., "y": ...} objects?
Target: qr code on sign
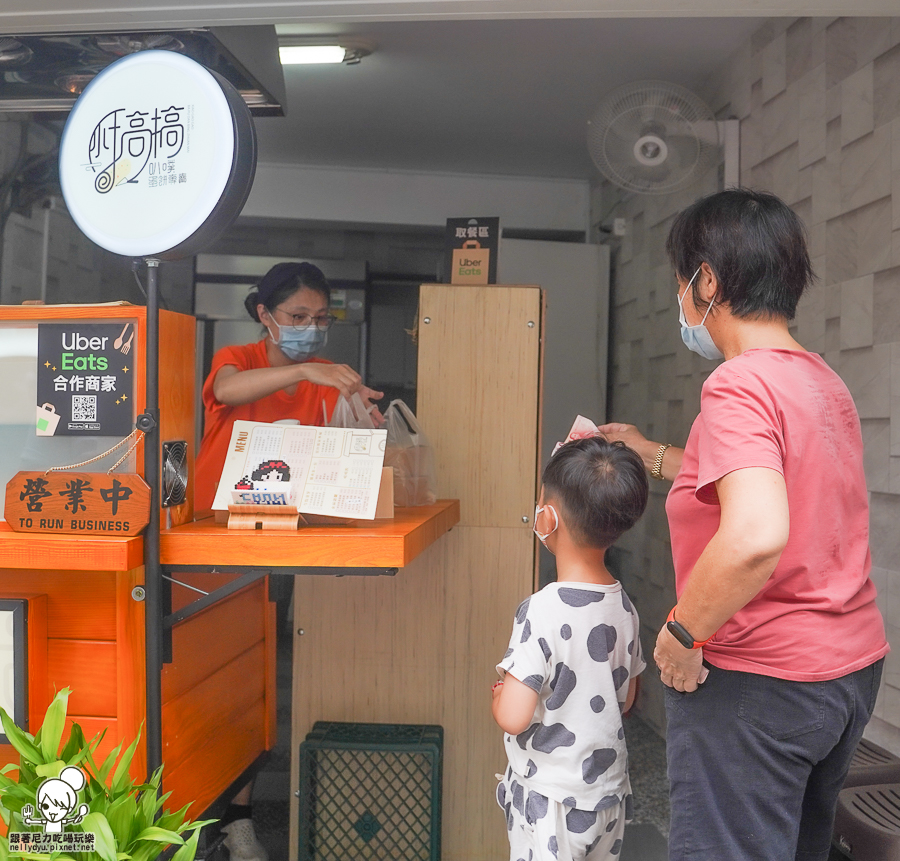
[{"x": 84, "y": 408}]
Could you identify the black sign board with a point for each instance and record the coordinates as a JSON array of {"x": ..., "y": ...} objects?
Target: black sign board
[
  {"x": 461, "y": 232},
  {"x": 85, "y": 379}
]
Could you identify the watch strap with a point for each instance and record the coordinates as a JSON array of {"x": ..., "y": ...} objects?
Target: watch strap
[{"x": 680, "y": 633}]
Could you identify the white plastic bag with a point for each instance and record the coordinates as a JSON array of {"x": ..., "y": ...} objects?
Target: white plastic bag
[
  {"x": 351, "y": 414},
  {"x": 410, "y": 453}
]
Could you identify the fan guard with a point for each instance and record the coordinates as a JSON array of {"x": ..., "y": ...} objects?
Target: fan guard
[
  {"x": 652, "y": 137},
  {"x": 174, "y": 473}
]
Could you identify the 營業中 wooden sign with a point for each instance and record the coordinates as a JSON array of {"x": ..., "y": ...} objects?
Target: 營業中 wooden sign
[{"x": 88, "y": 503}]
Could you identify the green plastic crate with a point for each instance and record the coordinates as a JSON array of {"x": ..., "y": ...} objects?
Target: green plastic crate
[{"x": 370, "y": 792}]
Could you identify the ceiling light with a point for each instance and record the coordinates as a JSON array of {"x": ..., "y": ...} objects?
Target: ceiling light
[
  {"x": 297, "y": 49},
  {"x": 301, "y": 54}
]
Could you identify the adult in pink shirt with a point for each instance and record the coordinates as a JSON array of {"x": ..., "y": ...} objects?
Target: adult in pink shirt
[{"x": 773, "y": 654}]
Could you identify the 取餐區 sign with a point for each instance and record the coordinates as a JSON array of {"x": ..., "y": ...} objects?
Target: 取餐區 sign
[
  {"x": 90, "y": 503},
  {"x": 85, "y": 379}
]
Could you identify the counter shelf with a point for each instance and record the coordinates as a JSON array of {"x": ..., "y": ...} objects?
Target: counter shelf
[{"x": 379, "y": 548}]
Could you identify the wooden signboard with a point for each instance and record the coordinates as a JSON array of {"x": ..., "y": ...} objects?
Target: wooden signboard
[{"x": 88, "y": 503}]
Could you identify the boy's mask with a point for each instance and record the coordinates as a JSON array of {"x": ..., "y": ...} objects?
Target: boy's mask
[{"x": 544, "y": 535}]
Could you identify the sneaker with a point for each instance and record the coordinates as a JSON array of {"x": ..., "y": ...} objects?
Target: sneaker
[{"x": 242, "y": 843}]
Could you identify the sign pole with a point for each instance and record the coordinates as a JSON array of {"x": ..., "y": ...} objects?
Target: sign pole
[{"x": 148, "y": 422}]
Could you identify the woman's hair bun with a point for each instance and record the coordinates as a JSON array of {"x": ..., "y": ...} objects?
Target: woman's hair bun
[{"x": 251, "y": 300}]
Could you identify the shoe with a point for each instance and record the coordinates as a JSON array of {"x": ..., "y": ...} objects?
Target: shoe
[{"x": 242, "y": 843}]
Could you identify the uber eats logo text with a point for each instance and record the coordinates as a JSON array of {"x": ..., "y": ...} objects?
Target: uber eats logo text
[{"x": 75, "y": 356}]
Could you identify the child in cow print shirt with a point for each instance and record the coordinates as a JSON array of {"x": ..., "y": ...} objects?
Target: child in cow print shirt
[{"x": 571, "y": 667}]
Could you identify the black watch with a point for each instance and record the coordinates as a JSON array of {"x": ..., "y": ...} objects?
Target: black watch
[{"x": 680, "y": 633}]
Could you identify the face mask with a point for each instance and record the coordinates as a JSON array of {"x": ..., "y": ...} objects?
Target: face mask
[
  {"x": 544, "y": 535},
  {"x": 697, "y": 338},
  {"x": 298, "y": 344}
]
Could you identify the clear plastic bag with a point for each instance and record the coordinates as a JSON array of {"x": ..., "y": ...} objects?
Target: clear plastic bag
[
  {"x": 410, "y": 454},
  {"x": 351, "y": 414}
]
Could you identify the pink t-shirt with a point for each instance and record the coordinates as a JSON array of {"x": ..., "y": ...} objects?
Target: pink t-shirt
[{"x": 816, "y": 617}]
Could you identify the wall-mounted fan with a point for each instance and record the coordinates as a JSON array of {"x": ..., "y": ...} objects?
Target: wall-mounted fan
[
  {"x": 653, "y": 137},
  {"x": 174, "y": 473}
]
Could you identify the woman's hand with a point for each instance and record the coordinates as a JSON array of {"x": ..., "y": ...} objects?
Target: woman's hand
[
  {"x": 679, "y": 668},
  {"x": 347, "y": 382},
  {"x": 368, "y": 396},
  {"x": 628, "y": 434},
  {"x": 647, "y": 449},
  {"x": 340, "y": 377}
]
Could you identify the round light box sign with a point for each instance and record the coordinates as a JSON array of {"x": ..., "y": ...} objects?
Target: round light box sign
[{"x": 157, "y": 157}]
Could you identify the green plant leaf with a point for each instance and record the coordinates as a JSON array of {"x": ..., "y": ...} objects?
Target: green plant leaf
[
  {"x": 121, "y": 776},
  {"x": 123, "y": 819},
  {"x": 146, "y": 852},
  {"x": 54, "y": 724},
  {"x": 200, "y": 823},
  {"x": 160, "y": 835},
  {"x": 189, "y": 850},
  {"x": 174, "y": 821},
  {"x": 19, "y": 740},
  {"x": 104, "y": 841},
  {"x": 75, "y": 745},
  {"x": 108, "y": 763},
  {"x": 50, "y": 769}
]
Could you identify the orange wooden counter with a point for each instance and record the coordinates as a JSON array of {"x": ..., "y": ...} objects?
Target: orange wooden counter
[
  {"x": 218, "y": 690},
  {"x": 362, "y": 544}
]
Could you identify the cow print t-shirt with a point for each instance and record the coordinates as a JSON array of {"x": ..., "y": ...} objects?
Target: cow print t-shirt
[{"x": 577, "y": 646}]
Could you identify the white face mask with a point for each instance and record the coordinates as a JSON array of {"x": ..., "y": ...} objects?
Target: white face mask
[
  {"x": 544, "y": 535},
  {"x": 299, "y": 344},
  {"x": 697, "y": 338}
]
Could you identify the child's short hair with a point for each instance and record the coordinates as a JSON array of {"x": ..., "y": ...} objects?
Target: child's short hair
[{"x": 601, "y": 486}]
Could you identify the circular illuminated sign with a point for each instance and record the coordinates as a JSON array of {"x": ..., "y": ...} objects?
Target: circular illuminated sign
[{"x": 157, "y": 156}]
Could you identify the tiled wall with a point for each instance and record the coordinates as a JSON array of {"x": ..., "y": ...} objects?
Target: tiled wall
[{"x": 819, "y": 104}]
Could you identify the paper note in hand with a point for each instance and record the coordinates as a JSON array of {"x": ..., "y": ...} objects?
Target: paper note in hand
[{"x": 582, "y": 428}]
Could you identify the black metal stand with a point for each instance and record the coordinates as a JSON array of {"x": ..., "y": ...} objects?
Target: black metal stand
[{"x": 152, "y": 575}]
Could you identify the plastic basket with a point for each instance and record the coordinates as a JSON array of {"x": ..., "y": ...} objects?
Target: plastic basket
[{"x": 370, "y": 792}]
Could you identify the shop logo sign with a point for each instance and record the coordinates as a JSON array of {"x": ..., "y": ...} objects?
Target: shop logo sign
[
  {"x": 123, "y": 145},
  {"x": 147, "y": 153}
]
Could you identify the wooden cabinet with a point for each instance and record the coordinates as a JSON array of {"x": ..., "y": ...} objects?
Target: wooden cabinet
[{"x": 421, "y": 647}]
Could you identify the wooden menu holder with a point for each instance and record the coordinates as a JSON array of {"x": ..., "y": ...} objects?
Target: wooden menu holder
[{"x": 265, "y": 517}]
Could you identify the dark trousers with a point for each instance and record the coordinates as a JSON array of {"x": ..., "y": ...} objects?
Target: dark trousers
[{"x": 756, "y": 763}]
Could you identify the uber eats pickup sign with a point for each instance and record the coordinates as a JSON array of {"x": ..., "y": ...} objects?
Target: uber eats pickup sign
[
  {"x": 85, "y": 379},
  {"x": 470, "y": 250}
]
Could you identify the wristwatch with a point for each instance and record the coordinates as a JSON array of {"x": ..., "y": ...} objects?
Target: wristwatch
[{"x": 680, "y": 633}]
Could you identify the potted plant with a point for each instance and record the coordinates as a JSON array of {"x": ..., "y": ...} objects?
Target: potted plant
[{"x": 126, "y": 819}]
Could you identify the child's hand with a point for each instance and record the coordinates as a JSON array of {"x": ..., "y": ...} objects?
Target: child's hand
[{"x": 496, "y": 689}]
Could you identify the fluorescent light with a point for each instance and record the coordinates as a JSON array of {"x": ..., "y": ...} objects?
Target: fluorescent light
[{"x": 298, "y": 54}]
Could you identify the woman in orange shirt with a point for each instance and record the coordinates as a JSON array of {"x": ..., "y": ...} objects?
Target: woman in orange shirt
[{"x": 276, "y": 378}]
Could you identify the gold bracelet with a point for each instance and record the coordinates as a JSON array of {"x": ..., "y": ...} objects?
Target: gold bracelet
[{"x": 656, "y": 472}]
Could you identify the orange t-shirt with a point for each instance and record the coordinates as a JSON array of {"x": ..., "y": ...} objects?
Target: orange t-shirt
[{"x": 305, "y": 405}]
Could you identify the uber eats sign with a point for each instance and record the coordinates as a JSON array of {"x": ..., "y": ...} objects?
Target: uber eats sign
[{"x": 85, "y": 379}]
